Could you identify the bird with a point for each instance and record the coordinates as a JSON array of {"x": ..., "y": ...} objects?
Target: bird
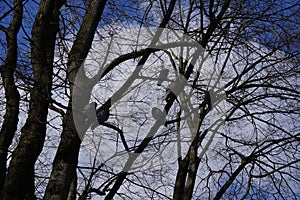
[
  {"x": 162, "y": 76},
  {"x": 102, "y": 114}
]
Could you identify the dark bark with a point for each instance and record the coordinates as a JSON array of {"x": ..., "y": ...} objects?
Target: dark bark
[
  {"x": 66, "y": 158},
  {"x": 182, "y": 171},
  {"x": 19, "y": 183},
  {"x": 192, "y": 173},
  {"x": 187, "y": 171},
  {"x": 12, "y": 95},
  {"x": 73, "y": 189},
  {"x": 65, "y": 162}
]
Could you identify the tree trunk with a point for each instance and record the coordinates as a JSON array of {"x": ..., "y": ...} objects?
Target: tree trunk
[
  {"x": 19, "y": 182},
  {"x": 73, "y": 189},
  {"x": 192, "y": 172},
  {"x": 186, "y": 173},
  {"x": 12, "y": 95},
  {"x": 182, "y": 171},
  {"x": 66, "y": 158}
]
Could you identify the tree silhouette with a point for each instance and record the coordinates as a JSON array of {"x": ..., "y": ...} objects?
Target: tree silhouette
[{"x": 150, "y": 99}]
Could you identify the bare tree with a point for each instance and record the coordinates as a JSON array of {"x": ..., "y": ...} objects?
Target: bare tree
[
  {"x": 248, "y": 66},
  {"x": 33, "y": 133},
  {"x": 65, "y": 162},
  {"x": 157, "y": 100},
  {"x": 9, "y": 125}
]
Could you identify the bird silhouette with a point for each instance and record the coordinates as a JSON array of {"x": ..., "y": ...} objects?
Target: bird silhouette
[{"x": 102, "y": 114}]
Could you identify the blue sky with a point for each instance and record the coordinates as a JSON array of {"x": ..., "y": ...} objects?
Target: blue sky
[{"x": 269, "y": 37}]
